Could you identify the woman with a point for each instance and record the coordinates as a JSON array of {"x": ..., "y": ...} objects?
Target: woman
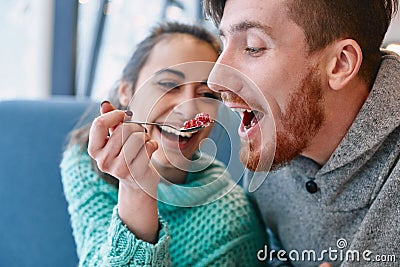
[{"x": 116, "y": 217}]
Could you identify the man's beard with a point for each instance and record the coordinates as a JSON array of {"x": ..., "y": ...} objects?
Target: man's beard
[{"x": 300, "y": 122}]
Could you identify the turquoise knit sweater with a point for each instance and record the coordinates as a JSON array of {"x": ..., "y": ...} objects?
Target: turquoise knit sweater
[{"x": 225, "y": 232}]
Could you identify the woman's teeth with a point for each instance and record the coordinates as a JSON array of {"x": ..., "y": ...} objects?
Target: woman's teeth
[{"x": 175, "y": 132}]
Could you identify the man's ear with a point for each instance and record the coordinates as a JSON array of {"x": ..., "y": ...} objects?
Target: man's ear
[
  {"x": 344, "y": 63},
  {"x": 125, "y": 93}
]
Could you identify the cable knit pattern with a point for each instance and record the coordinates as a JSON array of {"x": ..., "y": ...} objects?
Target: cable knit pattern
[{"x": 225, "y": 232}]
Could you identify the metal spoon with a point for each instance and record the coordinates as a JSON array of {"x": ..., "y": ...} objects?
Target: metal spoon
[{"x": 183, "y": 130}]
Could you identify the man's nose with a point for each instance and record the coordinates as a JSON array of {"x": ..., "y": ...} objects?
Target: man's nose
[{"x": 224, "y": 76}]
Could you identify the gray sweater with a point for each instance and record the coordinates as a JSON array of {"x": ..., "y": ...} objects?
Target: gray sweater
[{"x": 356, "y": 211}]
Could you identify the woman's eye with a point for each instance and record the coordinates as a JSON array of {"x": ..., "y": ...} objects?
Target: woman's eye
[
  {"x": 210, "y": 95},
  {"x": 254, "y": 51},
  {"x": 168, "y": 85}
]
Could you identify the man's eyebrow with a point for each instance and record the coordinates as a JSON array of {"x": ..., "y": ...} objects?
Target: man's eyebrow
[
  {"x": 246, "y": 25},
  {"x": 176, "y": 72}
]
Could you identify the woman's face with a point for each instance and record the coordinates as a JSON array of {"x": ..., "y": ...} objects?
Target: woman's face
[{"x": 172, "y": 88}]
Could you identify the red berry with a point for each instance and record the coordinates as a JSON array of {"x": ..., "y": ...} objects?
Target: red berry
[
  {"x": 199, "y": 120},
  {"x": 187, "y": 124},
  {"x": 203, "y": 117}
]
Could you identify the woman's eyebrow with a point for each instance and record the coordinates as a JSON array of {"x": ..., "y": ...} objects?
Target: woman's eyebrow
[{"x": 176, "y": 72}]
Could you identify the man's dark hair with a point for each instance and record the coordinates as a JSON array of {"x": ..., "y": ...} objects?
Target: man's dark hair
[{"x": 324, "y": 21}]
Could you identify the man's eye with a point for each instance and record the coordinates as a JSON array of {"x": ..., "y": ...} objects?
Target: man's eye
[{"x": 254, "y": 51}]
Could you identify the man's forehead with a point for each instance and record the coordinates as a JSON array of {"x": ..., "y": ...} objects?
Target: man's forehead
[{"x": 242, "y": 15}]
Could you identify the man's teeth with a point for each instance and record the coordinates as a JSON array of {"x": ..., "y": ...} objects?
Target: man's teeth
[
  {"x": 240, "y": 110},
  {"x": 249, "y": 117},
  {"x": 175, "y": 132}
]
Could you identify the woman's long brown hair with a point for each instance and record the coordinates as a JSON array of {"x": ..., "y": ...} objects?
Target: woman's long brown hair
[{"x": 131, "y": 71}]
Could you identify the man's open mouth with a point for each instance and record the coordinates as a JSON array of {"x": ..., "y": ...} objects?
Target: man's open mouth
[{"x": 250, "y": 118}]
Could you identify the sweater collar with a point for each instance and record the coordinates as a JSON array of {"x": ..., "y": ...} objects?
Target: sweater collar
[
  {"x": 378, "y": 117},
  {"x": 207, "y": 180}
]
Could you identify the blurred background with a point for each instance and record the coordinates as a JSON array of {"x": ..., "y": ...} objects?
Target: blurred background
[{"x": 58, "y": 47}]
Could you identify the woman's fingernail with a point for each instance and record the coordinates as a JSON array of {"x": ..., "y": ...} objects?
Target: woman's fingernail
[
  {"x": 105, "y": 101},
  {"x": 129, "y": 113}
]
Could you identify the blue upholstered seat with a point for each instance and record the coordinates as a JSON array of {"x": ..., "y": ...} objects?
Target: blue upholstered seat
[{"x": 34, "y": 223}]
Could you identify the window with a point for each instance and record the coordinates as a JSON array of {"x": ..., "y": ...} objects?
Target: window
[
  {"x": 26, "y": 48},
  {"x": 126, "y": 23}
]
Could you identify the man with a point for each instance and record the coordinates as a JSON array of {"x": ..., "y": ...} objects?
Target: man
[{"x": 334, "y": 192}]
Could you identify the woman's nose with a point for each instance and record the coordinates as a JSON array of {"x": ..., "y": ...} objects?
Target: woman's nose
[{"x": 186, "y": 103}]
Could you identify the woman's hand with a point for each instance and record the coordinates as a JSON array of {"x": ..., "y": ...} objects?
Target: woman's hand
[{"x": 124, "y": 151}]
